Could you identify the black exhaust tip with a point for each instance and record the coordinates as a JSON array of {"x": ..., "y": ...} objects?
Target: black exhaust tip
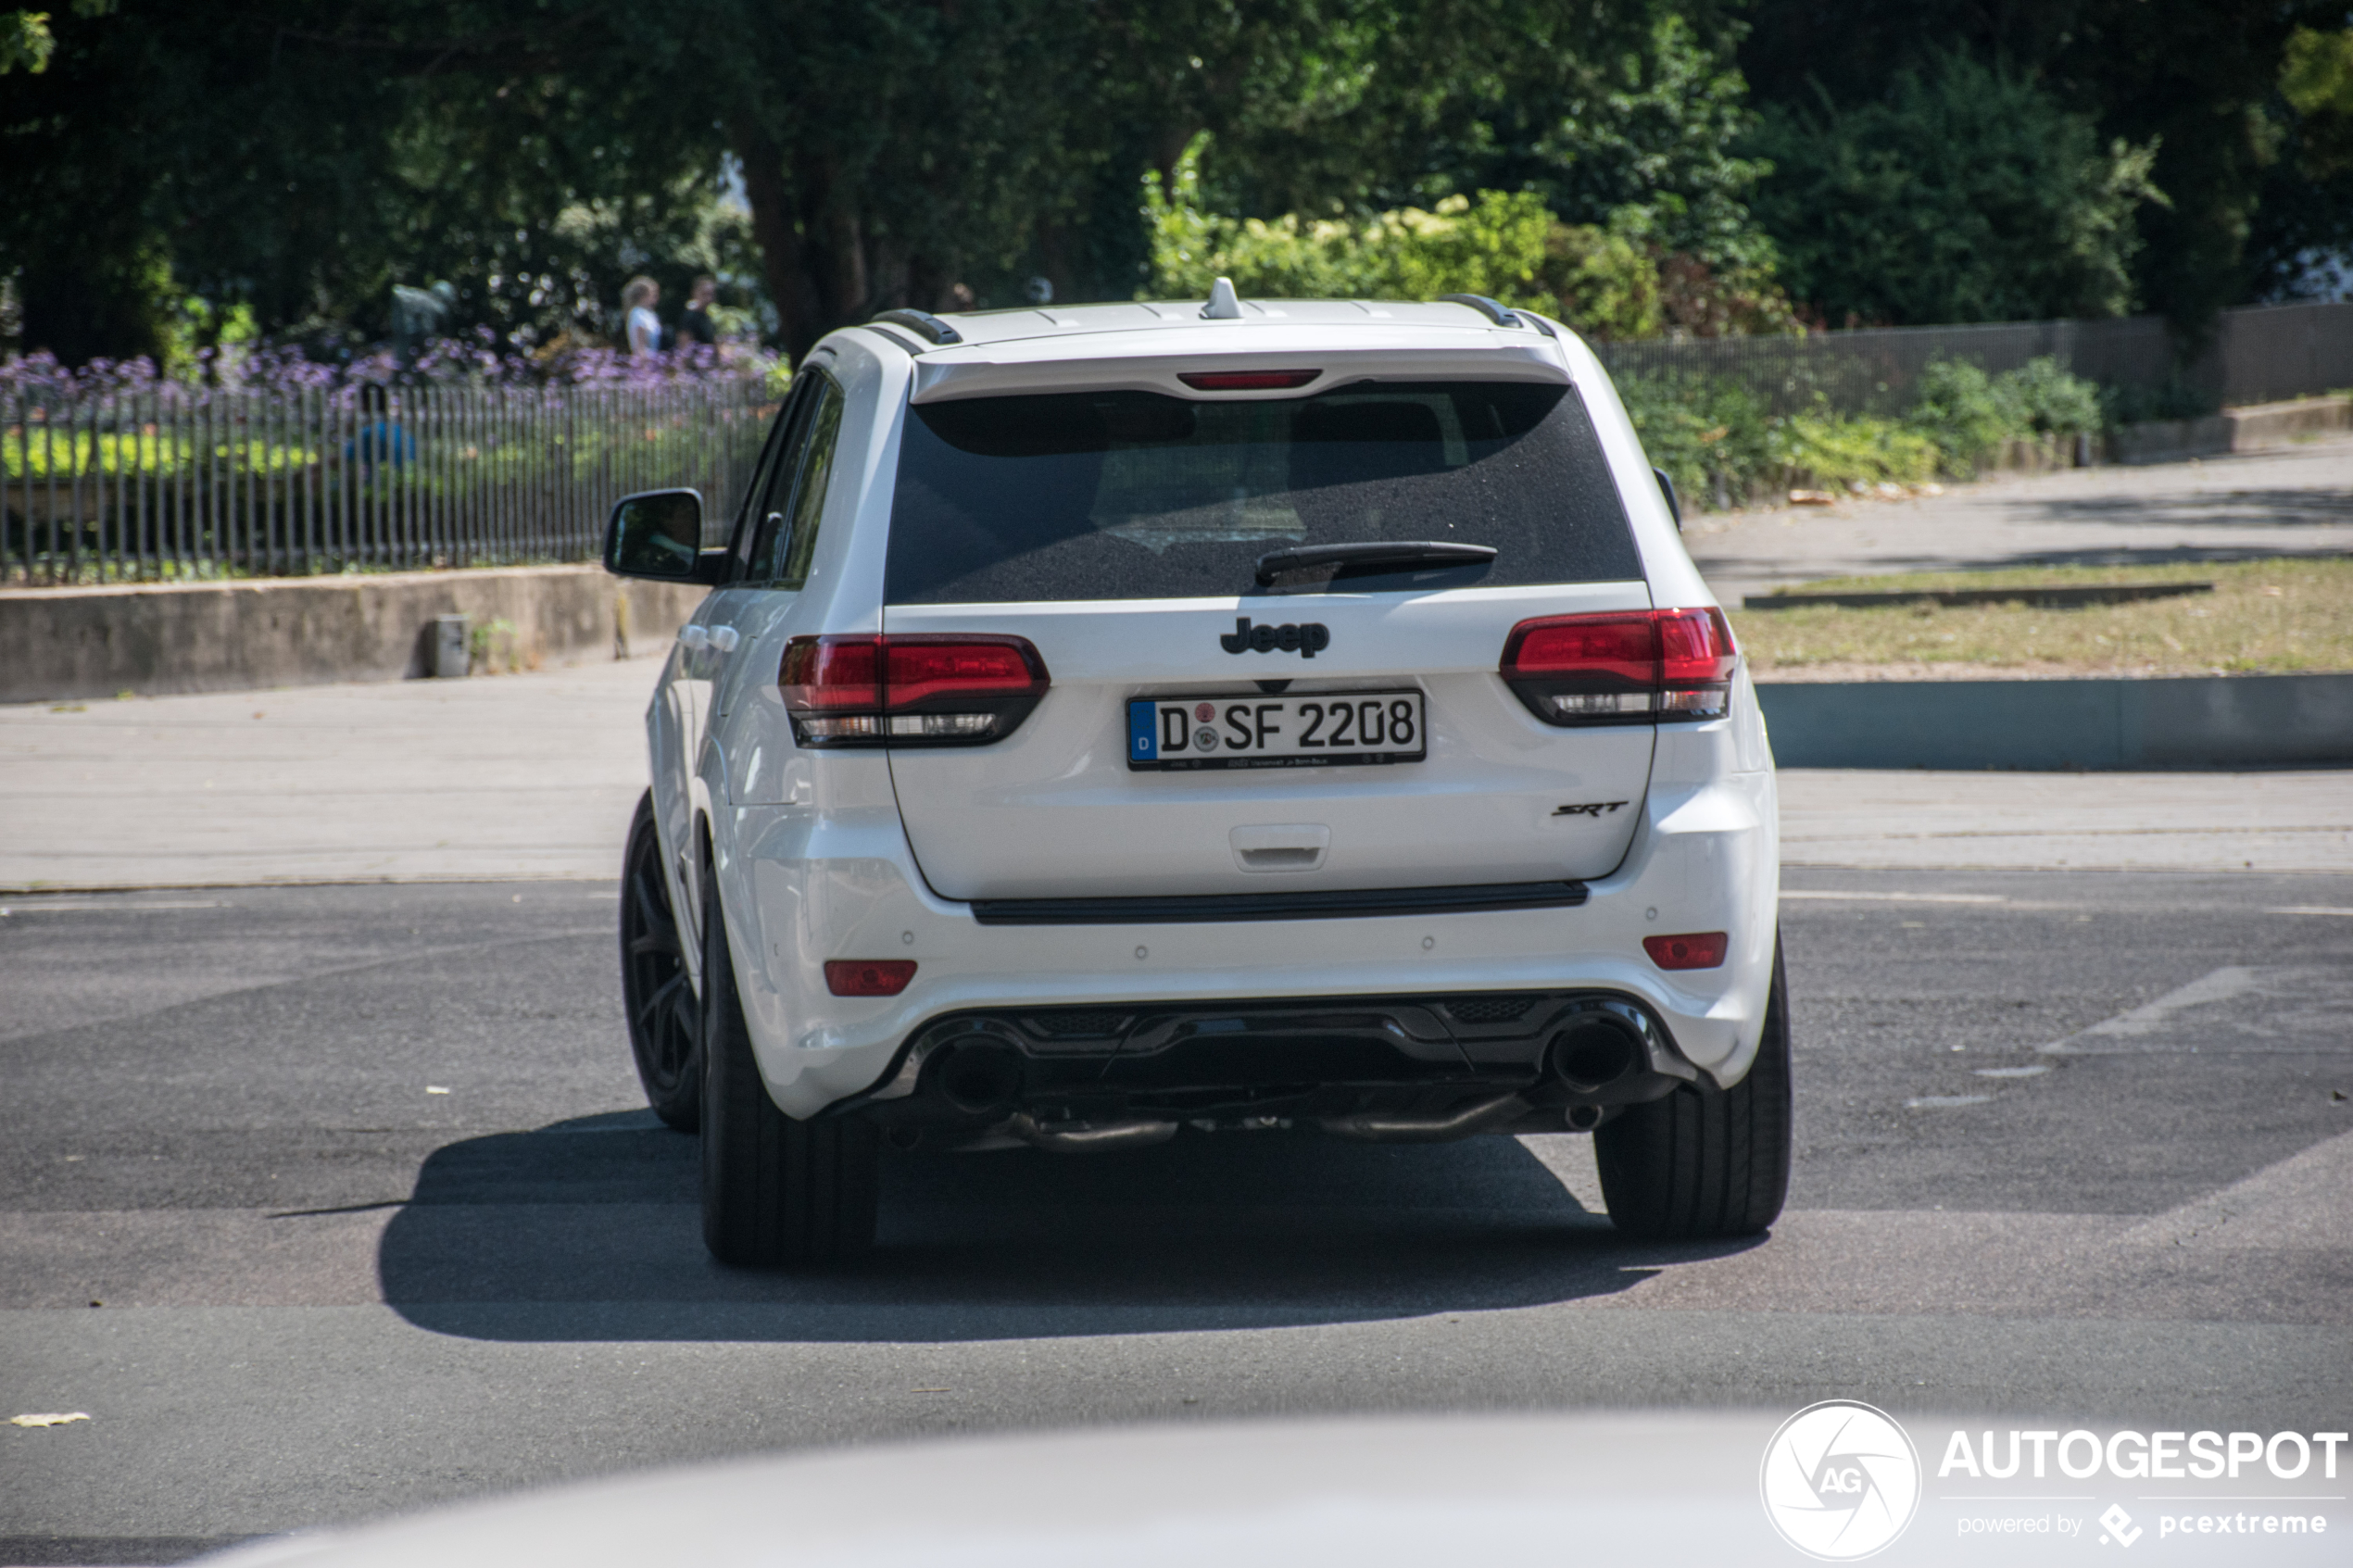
[
  {"x": 1596, "y": 1049},
  {"x": 976, "y": 1078}
]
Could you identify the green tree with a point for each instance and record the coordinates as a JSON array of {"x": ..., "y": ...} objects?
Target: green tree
[
  {"x": 1966, "y": 193},
  {"x": 2302, "y": 229},
  {"x": 25, "y": 39},
  {"x": 2196, "y": 80},
  {"x": 289, "y": 161}
]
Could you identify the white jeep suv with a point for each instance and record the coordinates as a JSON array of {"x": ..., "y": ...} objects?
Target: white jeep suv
[{"x": 1130, "y": 721}]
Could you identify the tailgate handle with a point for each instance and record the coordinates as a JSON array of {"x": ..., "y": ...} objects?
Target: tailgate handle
[{"x": 1281, "y": 847}]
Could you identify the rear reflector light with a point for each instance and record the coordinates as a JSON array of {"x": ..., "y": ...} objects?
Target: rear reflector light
[
  {"x": 868, "y": 977},
  {"x": 1628, "y": 666},
  {"x": 1703, "y": 949},
  {"x": 1246, "y": 380},
  {"x": 919, "y": 690}
]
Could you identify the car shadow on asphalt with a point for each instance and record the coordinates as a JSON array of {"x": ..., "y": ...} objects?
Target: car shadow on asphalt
[{"x": 589, "y": 1230}]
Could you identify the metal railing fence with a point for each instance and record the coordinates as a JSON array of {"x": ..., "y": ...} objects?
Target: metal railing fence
[{"x": 173, "y": 483}]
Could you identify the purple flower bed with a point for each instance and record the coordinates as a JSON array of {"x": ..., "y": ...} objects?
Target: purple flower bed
[{"x": 476, "y": 360}]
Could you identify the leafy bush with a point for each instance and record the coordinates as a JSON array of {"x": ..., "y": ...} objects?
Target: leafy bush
[
  {"x": 1723, "y": 446},
  {"x": 1968, "y": 413},
  {"x": 1720, "y": 442},
  {"x": 1713, "y": 435},
  {"x": 1967, "y": 193},
  {"x": 2055, "y": 402},
  {"x": 1829, "y": 450},
  {"x": 1612, "y": 281}
]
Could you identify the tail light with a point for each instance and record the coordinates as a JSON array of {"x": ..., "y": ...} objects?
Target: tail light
[
  {"x": 1701, "y": 950},
  {"x": 1625, "y": 667},
  {"x": 868, "y": 977},
  {"x": 916, "y": 690}
]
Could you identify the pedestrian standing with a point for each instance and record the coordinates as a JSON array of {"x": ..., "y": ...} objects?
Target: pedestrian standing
[
  {"x": 380, "y": 443},
  {"x": 638, "y": 300},
  {"x": 695, "y": 326}
]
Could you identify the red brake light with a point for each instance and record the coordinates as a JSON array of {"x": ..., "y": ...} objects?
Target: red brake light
[
  {"x": 1626, "y": 666},
  {"x": 916, "y": 671},
  {"x": 1246, "y": 380},
  {"x": 1695, "y": 646},
  {"x": 1624, "y": 647},
  {"x": 829, "y": 673},
  {"x": 868, "y": 977},
  {"x": 915, "y": 690},
  {"x": 1703, "y": 949}
]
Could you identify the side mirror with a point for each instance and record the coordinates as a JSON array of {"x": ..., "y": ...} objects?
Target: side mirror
[
  {"x": 658, "y": 534},
  {"x": 1674, "y": 507}
]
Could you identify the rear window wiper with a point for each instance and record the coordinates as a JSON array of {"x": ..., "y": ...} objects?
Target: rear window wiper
[{"x": 1378, "y": 552}]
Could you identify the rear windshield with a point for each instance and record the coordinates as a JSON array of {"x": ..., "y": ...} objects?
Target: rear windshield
[{"x": 1138, "y": 496}]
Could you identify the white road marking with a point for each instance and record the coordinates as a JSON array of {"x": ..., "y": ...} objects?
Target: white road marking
[
  {"x": 2297, "y": 910},
  {"x": 2296, "y": 1204},
  {"x": 36, "y": 905},
  {"x": 2014, "y": 1071},
  {"x": 1944, "y": 1102},
  {"x": 2278, "y": 1008},
  {"x": 1908, "y": 898}
]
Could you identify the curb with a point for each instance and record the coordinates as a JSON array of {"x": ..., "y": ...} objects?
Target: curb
[{"x": 2200, "y": 721}]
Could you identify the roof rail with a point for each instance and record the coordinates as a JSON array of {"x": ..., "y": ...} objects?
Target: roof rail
[
  {"x": 924, "y": 322},
  {"x": 1494, "y": 311}
]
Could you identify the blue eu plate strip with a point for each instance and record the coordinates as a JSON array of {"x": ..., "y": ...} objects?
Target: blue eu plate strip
[{"x": 1143, "y": 730}]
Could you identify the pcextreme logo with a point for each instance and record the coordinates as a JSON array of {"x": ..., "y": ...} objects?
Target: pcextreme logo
[{"x": 1841, "y": 1480}]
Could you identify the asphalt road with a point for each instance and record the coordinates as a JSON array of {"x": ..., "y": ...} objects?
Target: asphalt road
[
  {"x": 359, "y": 1177},
  {"x": 2291, "y": 500}
]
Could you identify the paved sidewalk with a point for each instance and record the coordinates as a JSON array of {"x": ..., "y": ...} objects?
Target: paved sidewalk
[
  {"x": 2185, "y": 822},
  {"x": 2292, "y": 501},
  {"x": 535, "y": 776},
  {"x": 496, "y": 777}
]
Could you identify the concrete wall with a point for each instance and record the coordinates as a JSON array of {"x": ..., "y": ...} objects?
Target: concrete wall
[
  {"x": 58, "y": 643},
  {"x": 2226, "y": 721},
  {"x": 2250, "y": 429}
]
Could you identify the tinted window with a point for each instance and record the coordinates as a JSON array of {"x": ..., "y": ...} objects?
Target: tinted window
[
  {"x": 781, "y": 449},
  {"x": 1132, "y": 494},
  {"x": 796, "y": 495}
]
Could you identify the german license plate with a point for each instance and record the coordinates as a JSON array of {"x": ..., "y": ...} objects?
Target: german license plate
[{"x": 1336, "y": 729}]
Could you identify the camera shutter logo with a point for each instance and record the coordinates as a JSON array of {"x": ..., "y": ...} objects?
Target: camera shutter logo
[{"x": 1841, "y": 1480}]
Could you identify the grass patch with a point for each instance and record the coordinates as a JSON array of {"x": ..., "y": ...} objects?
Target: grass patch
[{"x": 2263, "y": 616}]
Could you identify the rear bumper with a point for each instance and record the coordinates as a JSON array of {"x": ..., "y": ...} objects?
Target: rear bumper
[
  {"x": 1383, "y": 1067},
  {"x": 800, "y": 886}
]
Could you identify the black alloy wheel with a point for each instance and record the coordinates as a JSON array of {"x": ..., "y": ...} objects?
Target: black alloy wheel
[
  {"x": 665, "y": 1019},
  {"x": 1706, "y": 1164}
]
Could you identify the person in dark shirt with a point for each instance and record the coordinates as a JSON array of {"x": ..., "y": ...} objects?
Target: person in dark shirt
[
  {"x": 381, "y": 443},
  {"x": 695, "y": 326}
]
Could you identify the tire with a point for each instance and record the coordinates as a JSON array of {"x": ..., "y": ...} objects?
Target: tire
[
  {"x": 1706, "y": 1164},
  {"x": 665, "y": 1021},
  {"x": 776, "y": 1192}
]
